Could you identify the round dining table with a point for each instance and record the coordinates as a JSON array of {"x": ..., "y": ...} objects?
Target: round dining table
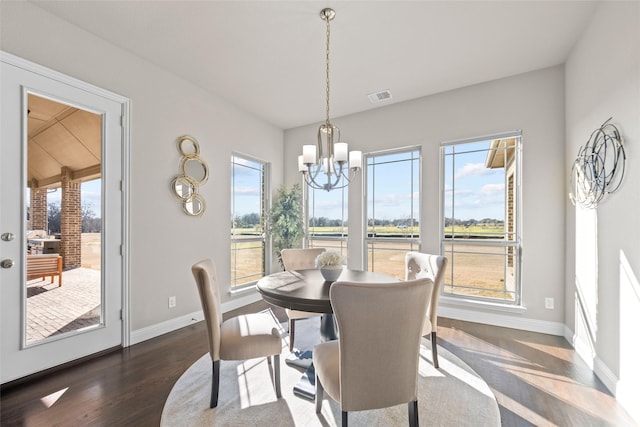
[{"x": 307, "y": 290}]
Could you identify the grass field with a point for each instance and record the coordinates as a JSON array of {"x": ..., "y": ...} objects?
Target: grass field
[{"x": 479, "y": 269}]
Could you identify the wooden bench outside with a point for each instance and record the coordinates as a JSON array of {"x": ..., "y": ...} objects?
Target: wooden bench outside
[{"x": 44, "y": 265}]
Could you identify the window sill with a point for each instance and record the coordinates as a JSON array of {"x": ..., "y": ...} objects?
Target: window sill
[{"x": 485, "y": 305}]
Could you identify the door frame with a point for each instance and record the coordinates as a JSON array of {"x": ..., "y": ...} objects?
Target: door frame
[{"x": 124, "y": 102}]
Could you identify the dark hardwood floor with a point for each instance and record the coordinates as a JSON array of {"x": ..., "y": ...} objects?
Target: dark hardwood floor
[{"x": 537, "y": 379}]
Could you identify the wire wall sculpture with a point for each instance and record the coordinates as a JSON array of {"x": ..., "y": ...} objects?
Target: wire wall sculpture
[{"x": 599, "y": 167}]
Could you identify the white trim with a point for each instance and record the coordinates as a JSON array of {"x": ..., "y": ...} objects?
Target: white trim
[
  {"x": 626, "y": 394},
  {"x": 125, "y": 245},
  {"x": 584, "y": 349},
  {"x": 60, "y": 77},
  {"x": 505, "y": 321},
  {"x": 500, "y": 135},
  {"x": 605, "y": 375},
  {"x": 236, "y": 303},
  {"x": 176, "y": 323},
  {"x": 165, "y": 327},
  {"x": 481, "y": 304}
]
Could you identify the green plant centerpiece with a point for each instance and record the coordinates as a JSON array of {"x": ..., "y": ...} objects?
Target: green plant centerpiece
[
  {"x": 286, "y": 222},
  {"x": 330, "y": 264}
]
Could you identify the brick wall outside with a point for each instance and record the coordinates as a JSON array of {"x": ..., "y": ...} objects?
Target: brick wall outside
[
  {"x": 38, "y": 210},
  {"x": 70, "y": 221}
]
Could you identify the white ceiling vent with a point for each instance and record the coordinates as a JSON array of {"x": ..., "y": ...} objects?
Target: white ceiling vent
[{"x": 380, "y": 96}]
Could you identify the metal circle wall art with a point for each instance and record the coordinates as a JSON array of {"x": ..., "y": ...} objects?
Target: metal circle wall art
[
  {"x": 599, "y": 167},
  {"x": 193, "y": 172}
]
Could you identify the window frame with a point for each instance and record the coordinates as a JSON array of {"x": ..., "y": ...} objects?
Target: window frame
[
  {"x": 516, "y": 243},
  {"x": 414, "y": 241},
  {"x": 264, "y": 237},
  {"x": 336, "y": 243}
]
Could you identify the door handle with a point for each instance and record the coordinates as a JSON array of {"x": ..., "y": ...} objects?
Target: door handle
[
  {"x": 7, "y": 237},
  {"x": 7, "y": 263}
]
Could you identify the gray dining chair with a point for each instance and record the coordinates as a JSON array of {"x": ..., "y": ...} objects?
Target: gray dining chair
[
  {"x": 238, "y": 338},
  {"x": 417, "y": 265},
  {"x": 355, "y": 370},
  {"x": 299, "y": 259}
]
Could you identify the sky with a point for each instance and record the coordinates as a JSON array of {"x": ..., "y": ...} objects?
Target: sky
[
  {"x": 246, "y": 184},
  {"x": 90, "y": 194},
  {"x": 479, "y": 191}
]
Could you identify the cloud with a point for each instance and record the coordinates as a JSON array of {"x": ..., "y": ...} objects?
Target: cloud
[
  {"x": 246, "y": 191},
  {"x": 492, "y": 190},
  {"x": 473, "y": 169}
]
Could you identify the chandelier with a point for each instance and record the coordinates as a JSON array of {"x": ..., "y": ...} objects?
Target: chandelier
[{"x": 327, "y": 160}]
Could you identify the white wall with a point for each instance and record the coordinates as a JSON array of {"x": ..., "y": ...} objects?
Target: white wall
[
  {"x": 164, "y": 241},
  {"x": 533, "y": 102},
  {"x": 603, "y": 245}
]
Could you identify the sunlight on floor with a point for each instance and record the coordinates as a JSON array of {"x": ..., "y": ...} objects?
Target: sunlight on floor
[
  {"x": 425, "y": 368},
  {"x": 537, "y": 376},
  {"x": 522, "y": 411},
  {"x": 51, "y": 399}
]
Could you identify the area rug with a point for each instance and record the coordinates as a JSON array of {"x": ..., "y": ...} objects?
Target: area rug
[{"x": 453, "y": 395}]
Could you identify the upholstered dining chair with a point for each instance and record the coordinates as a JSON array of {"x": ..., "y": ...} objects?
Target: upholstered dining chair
[
  {"x": 356, "y": 370},
  {"x": 238, "y": 338},
  {"x": 299, "y": 259},
  {"x": 417, "y": 265}
]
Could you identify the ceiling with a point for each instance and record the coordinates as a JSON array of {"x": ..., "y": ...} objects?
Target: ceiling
[
  {"x": 61, "y": 136},
  {"x": 267, "y": 57}
]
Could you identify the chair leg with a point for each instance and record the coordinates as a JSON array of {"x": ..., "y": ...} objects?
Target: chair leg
[
  {"x": 215, "y": 384},
  {"x": 319, "y": 395},
  {"x": 434, "y": 349},
  {"x": 292, "y": 331},
  {"x": 276, "y": 373},
  {"x": 345, "y": 421},
  {"x": 413, "y": 413}
]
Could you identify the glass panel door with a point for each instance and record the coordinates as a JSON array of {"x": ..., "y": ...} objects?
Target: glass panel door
[{"x": 63, "y": 236}]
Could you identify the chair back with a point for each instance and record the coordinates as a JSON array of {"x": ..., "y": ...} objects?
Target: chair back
[
  {"x": 204, "y": 272},
  {"x": 418, "y": 265},
  {"x": 379, "y": 326},
  {"x": 300, "y": 259}
]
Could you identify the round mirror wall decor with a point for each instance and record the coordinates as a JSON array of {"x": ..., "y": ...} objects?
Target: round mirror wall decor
[
  {"x": 193, "y": 172},
  {"x": 188, "y": 146}
]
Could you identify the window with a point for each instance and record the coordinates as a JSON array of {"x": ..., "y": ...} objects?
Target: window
[
  {"x": 392, "y": 209},
  {"x": 248, "y": 212},
  {"x": 327, "y": 219},
  {"x": 481, "y": 225}
]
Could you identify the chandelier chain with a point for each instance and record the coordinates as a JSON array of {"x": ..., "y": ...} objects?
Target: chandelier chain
[
  {"x": 336, "y": 165},
  {"x": 327, "y": 62}
]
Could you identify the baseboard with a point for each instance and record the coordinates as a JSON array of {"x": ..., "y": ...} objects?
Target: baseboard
[
  {"x": 605, "y": 375},
  {"x": 176, "y": 323},
  {"x": 165, "y": 327},
  {"x": 506, "y": 321},
  {"x": 582, "y": 348},
  {"x": 625, "y": 393}
]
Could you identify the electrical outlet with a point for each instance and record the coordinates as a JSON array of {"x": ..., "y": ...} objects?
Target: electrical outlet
[
  {"x": 548, "y": 303},
  {"x": 172, "y": 302}
]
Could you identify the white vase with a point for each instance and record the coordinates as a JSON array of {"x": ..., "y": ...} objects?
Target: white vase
[{"x": 331, "y": 274}]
